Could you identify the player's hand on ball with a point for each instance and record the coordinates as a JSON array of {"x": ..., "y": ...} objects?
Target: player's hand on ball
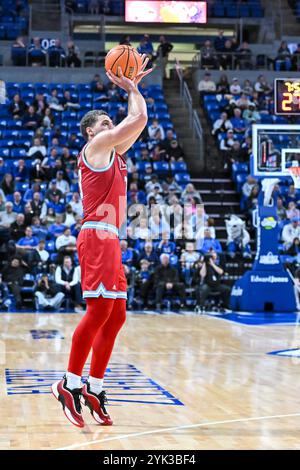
[{"x": 124, "y": 82}]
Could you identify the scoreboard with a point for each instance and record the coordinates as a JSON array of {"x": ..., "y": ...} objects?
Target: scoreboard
[{"x": 287, "y": 96}]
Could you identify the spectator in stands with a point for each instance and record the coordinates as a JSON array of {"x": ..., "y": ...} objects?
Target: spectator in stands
[
  {"x": 166, "y": 279},
  {"x": 65, "y": 245},
  {"x": 7, "y": 217},
  {"x": 251, "y": 115},
  {"x": 190, "y": 192},
  {"x": 283, "y": 61},
  {"x": 243, "y": 101},
  {"x": 223, "y": 85},
  {"x": 148, "y": 254},
  {"x": 146, "y": 47},
  {"x": 47, "y": 119},
  {"x": 163, "y": 50},
  {"x": 292, "y": 211},
  {"x": 58, "y": 227},
  {"x": 292, "y": 194},
  {"x": 36, "y": 54},
  {"x": 221, "y": 125},
  {"x": 7, "y": 184},
  {"x": 13, "y": 275},
  {"x": 26, "y": 246},
  {"x": 40, "y": 104},
  {"x": 227, "y": 143},
  {"x": 235, "y": 87},
  {"x": 97, "y": 85},
  {"x": 244, "y": 57},
  {"x": 31, "y": 120},
  {"x": 175, "y": 151},
  {"x": 248, "y": 88},
  {"x": 53, "y": 101},
  {"x": 18, "y": 205},
  {"x": 220, "y": 41},
  {"x": 262, "y": 87},
  {"x": 208, "y": 278},
  {"x": 47, "y": 294},
  {"x": 69, "y": 102},
  {"x": 144, "y": 282},
  {"x": 290, "y": 232},
  {"x": 156, "y": 128},
  {"x": 39, "y": 231},
  {"x": 248, "y": 186},
  {"x": 62, "y": 184},
  {"x": 20, "y": 172},
  {"x": 19, "y": 52},
  {"x": 17, "y": 107},
  {"x": 56, "y": 54},
  {"x": 53, "y": 191},
  {"x": 37, "y": 150},
  {"x": 281, "y": 211},
  {"x": 17, "y": 228},
  {"x": 67, "y": 277},
  {"x": 28, "y": 214},
  {"x": 227, "y": 58},
  {"x": 208, "y": 243},
  {"x": 206, "y": 86},
  {"x": 208, "y": 55},
  {"x": 165, "y": 245},
  {"x": 76, "y": 204},
  {"x": 238, "y": 237},
  {"x": 73, "y": 55},
  {"x": 42, "y": 253},
  {"x": 238, "y": 123},
  {"x": 189, "y": 256},
  {"x": 252, "y": 201}
]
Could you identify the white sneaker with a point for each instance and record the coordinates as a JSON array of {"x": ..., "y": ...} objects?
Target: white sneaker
[{"x": 78, "y": 310}]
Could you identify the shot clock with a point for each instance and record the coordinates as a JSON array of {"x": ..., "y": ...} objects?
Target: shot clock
[{"x": 287, "y": 96}]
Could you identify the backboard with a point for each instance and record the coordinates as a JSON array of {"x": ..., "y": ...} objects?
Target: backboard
[{"x": 276, "y": 147}]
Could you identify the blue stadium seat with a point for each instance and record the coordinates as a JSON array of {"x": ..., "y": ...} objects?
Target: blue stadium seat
[
  {"x": 182, "y": 178},
  {"x": 178, "y": 167},
  {"x": 161, "y": 168}
]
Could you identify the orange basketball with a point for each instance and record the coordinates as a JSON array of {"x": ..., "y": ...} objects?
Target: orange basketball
[{"x": 125, "y": 57}]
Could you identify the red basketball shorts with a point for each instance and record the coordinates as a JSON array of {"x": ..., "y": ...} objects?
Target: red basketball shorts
[{"x": 100, "y": 258}]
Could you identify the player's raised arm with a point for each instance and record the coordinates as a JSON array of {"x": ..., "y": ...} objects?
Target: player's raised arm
[{"x": 103, "y": 137}]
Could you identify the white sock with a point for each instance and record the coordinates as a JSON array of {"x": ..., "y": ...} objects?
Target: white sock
[
  {"x": 73, "y": 381},
  {"x": 96, "y": 385}
]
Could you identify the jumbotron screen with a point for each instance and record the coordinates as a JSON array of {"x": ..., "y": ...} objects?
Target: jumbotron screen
[{"x": 142, "y": 11}]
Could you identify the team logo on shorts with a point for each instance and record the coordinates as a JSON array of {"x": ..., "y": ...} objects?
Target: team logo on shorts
[{"x": 122, "y": 164}]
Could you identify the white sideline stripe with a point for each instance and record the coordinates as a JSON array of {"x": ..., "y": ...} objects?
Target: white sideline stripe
[{"x": 177, "y": 428}]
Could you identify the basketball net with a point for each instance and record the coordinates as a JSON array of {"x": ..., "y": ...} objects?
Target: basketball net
[{"x": 295, "y": 174}]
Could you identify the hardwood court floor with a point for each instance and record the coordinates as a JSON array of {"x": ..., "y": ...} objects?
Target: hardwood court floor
[{"x": 234, "y": 395}]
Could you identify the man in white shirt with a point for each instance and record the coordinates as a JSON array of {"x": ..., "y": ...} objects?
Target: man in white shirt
[
  {"x": 156, "y": 129},
  {"x": 291, "y": 231},
  {"x": 43, "y": 254},
  {"x": 222, "y": 124},
  {"x": 207, "y": 84},
  {"x": 67, "y": 277},
  {"x": 7, "y": 217},
  {"x": 65, "y": 244},
  {"x": 61, "y": 183},
  {"x": 37, "y": 150},
  {"x": 235, "y": 88},
  {"x": 76, "y": 204}
]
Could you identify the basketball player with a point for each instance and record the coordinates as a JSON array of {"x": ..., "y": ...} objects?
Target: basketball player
[{"x": 102, "y": 182}]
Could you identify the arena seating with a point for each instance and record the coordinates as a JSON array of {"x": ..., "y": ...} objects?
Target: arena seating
[{"x": 13, "y": 20}]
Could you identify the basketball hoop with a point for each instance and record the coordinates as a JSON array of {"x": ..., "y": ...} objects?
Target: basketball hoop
[{"x": 295, "y": 174}]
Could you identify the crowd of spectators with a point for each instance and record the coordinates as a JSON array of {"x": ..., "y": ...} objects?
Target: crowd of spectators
[
  {"x": 34, "y": 54},
  {"x": 226, "y": 53},
  {"x": 232, "y": 108},
  {"x": 41, "y": 211}
]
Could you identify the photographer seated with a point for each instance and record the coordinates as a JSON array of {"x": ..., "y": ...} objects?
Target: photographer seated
[
  {"x": 47, "y": 294},
  {"x": 166, "y": 279},
  {"x": 208, "y": 280}
]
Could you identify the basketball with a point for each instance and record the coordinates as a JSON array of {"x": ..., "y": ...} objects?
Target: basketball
[{"x": 125, "y": 57}]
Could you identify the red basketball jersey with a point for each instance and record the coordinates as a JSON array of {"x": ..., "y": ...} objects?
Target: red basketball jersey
[{"x": 103, "y": 190}]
